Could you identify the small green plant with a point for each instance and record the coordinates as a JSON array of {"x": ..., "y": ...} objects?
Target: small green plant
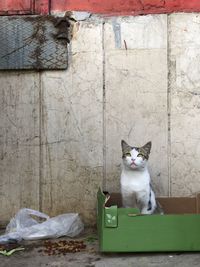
[{"x": 9, "y": 253}]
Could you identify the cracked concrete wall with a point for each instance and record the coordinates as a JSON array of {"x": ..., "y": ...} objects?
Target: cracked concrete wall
[
  {"x": 184, "y": 33},
  {"x": 134, "y": 78},
  {"x": 19, "y": 142},
  {"x": 136, "y": 94},
  {"x": 71, "y": 128}
]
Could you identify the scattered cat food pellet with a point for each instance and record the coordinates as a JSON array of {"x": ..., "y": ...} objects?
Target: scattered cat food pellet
[{"x": 63, "y": 247}]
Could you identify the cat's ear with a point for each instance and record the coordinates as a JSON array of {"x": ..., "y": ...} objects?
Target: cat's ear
[
  {"x": 125, "y": 147},
  {"x": 147, "y": 148}
]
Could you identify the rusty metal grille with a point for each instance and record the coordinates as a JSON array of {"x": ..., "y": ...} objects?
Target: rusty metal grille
[{"x": 33, "y": 42}]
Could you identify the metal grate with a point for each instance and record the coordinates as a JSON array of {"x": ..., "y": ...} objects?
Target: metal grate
[{"x": 33, "y": 42}]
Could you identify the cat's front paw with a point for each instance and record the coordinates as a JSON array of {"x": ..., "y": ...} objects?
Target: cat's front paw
[{"x": 146, "y": 211}]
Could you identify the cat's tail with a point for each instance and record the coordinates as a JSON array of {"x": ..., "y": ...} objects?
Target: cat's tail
[{"x": 159, "y": 208}]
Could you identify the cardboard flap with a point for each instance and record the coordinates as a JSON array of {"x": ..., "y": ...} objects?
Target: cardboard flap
[
  {"x": 198, "y": 203},
  {"x": 114, "y": 199},
  {"x": 180, "y": 205},
  {"x": 101, "y": 197}
]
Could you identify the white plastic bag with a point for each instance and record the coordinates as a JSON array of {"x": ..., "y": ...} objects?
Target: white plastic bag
[{"x": 24, "y": 226}]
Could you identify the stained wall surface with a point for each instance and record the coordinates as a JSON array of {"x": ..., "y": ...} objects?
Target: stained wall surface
[{"x": 132, "y": 78}]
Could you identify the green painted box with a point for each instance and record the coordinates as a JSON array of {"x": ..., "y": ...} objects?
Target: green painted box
[{"x": 125, "y": 230}]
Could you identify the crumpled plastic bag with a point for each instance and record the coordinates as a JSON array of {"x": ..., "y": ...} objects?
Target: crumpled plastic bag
[{"x": 28, "y": 225}]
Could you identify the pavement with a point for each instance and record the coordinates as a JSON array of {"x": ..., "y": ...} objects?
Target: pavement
[{"x": 85, "y": 253}]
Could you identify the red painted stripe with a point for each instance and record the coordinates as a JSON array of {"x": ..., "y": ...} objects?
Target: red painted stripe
[
  {"x": 15, "y": 7},
  {"x": 110, "y": 7},
  {"x": 42, "y": 7},
  {"x": 127, "y": 7},
  {"x": 11, "y": 7}
]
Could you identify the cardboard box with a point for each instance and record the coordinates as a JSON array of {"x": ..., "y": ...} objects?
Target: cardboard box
[{"x": 126, "y": 230}]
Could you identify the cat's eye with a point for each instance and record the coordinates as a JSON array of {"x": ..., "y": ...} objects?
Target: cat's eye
[
  {"x": 128, "y": 154},
  {"x": 141, "y": 155}
]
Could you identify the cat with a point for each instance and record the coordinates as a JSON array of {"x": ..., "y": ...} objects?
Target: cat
[{"x": 135, "y": 178}]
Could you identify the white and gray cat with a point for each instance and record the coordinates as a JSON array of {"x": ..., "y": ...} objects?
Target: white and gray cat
[{"x": 135, "y": 178}]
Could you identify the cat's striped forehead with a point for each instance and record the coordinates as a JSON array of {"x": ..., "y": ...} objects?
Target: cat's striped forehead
[{"x": 144, "y": 150}]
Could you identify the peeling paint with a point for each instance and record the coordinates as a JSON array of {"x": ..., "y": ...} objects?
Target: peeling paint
[
  {"x": 76, "y": 15},
  {"x": 117, "y": 33}
]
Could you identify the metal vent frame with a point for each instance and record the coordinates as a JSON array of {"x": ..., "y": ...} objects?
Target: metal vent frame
[{"x": 33, "y": 42}]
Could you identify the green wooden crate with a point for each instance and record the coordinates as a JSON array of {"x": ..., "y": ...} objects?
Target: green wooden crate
[{"x": 125, "y": 230}]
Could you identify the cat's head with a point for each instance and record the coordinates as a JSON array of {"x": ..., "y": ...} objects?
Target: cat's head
[{"x": 135, "y": 157}]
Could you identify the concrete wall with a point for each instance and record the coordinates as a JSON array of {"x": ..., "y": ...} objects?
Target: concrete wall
[{"x": 132, "y": 78}]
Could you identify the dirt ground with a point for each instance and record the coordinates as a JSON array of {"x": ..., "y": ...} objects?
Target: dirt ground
[{"x": 83, "y": 252}]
